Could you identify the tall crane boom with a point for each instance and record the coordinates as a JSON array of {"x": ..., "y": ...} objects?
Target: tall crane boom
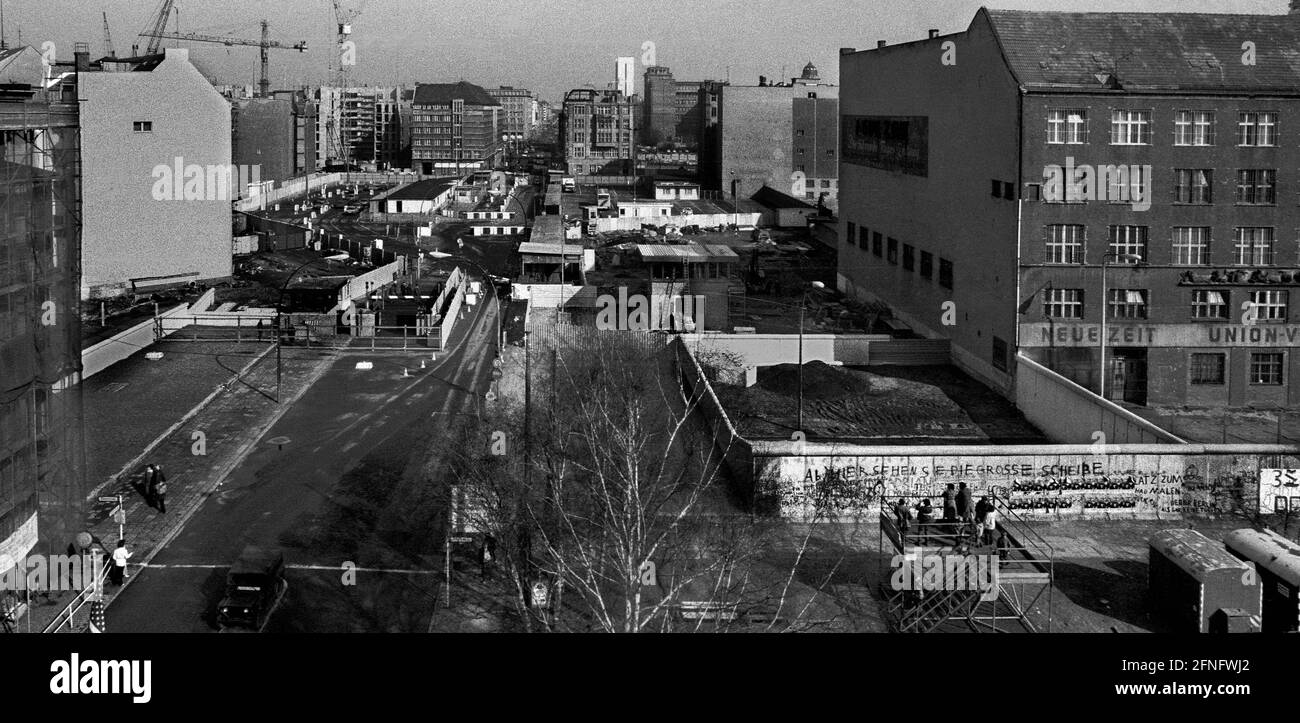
[
  {"x": 154, "y": 31},
  {"x": 108, "y": 38},
  {"x": 264, "y": 82}
]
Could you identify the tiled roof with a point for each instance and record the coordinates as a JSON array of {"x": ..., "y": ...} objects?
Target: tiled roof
[
  {"x": 445, "y": 93},
  {"x": 1149, "y": 51}
]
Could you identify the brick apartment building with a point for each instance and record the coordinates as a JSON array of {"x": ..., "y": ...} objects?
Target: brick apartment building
[
  {"x": 951, "y": 191},
  {"x": 454, "y": 127},
  {"x": 598, "y": 133}
]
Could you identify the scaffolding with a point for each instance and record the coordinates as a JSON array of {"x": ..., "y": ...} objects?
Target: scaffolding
[
  {"x": 43, "y": 484},
  {"x": 959, "y": 574}
]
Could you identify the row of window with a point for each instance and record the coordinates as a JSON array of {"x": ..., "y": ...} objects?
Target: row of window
[
  {"x": 1252, "y": 245},
  {"x": 887, "y": 247},
  {"x": 1069, "y": 126},
  {"x": 1190, "y": 186},
  {"x": 1206, "y": 304},
  {"x": 1210, "y": 368}
]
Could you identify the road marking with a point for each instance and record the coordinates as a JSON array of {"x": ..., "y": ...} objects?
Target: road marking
[{"x": 337, "y": 568}]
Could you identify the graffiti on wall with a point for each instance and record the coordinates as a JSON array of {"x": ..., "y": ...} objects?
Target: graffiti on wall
[{"x": 1134, "y": 485}]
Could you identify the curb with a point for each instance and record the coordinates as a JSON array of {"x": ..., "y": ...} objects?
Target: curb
[{"x": 219, "y": 478}]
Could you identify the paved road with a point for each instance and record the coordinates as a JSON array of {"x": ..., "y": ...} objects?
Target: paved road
[{"x": 347, "y": 486}]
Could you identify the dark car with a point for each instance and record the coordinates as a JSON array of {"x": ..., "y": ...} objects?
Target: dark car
[{"x": 254, "y": 585}]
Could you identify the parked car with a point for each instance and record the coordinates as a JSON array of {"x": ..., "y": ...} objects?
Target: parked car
[
  {"x": 254, "y": 586},
  {"x": 351, "y": 209}
]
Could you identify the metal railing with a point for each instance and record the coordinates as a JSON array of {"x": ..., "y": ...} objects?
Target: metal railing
[{"x": 66, "y": 620}]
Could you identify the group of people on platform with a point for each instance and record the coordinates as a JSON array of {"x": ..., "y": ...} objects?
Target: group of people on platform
[{"x": 958, "y": 517}]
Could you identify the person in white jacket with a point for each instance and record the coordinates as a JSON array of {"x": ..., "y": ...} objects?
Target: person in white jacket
[{"x": 118, "y": 572}]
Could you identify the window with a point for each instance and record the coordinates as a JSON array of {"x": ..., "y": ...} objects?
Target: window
[
  {"x": 1194, "y": 128},
  {"x": 1257, "y": 129},
  {"x": 1266, "y": 368},
  {"x": 852, "y": 232},
  {"x": 1209, "y": 304},
  {"x": 1009, "y": 190},
  {"x": 1128, "y": 240},
  {"x": 909, "y": 257},
  {"x": 1063, "y": 303},
  {"x": 1191, "y": 245},
  {"x": 1206, "y": 368},
  {"x": 927, "y": 264},
  {"x": 999, "y": 354},
  {"x": 997, "y": 188},
  {"x": 862, "y": 237},
  {"x": 945, "y": 273},
  {"x": 1269, "y": 305},
  {"x": 1127, "y": 304},
  {"x": 1065, "y": 244},
  {"x": 1254, "y": 246},
  {"x": 1193, "y": 185},
  {"x": 1257, "y": 186},
  {"x": 142, "y": 126},
  {"x": 1130, "y": 127},
  {"x": 877, "y": 241},
  {"x": 1067, "y": 125},
  {"x": 892, "y": 255},
  {"x": 1034, "y": 191}
]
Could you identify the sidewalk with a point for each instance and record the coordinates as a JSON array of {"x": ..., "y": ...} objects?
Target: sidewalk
[{"x": 231, "y": 424}]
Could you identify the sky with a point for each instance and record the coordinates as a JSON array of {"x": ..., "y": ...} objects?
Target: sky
[{"x": 547, "y": 46}]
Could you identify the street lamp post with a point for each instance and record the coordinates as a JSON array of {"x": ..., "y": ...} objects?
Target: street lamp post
[
  {"x": 279, "y": 325},
  {"x": 803, "y": 303},
  {"x": 1105, "y": 309}
]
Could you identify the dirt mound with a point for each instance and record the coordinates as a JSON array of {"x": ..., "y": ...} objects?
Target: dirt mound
[{"x": 820, "y": 381}]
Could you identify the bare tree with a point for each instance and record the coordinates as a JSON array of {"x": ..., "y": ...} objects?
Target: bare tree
[{"x": 616, "y": 500}]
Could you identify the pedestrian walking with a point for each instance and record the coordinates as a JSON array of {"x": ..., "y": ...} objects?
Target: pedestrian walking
[
  {"x": 150, "y": 484},
  {"x": 982, "y": 509},
  {"x": 160, "y": 490},
  {"x": 950, "y": 504},
  {"x": 117, "y": 573},
  {"x": 990, "y": 525},
  {"x": 487, "y": 555}
]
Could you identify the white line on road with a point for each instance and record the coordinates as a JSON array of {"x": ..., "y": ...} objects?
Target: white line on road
[{"x": 336, "y": 568}]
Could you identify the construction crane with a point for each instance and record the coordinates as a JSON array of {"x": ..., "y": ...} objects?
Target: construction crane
[
  {"x": 108, "y": 39},
  {"x": 344, "y": 56},
  {"x": 265, "y": 44},
  {"x": 159, "y": 26}
]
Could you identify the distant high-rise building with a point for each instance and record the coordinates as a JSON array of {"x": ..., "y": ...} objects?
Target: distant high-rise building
[
  {"x": 597, "y": 130},
  {"x": 359, "y": 125},
  {"x": 625, "y": 76},
  {"x": 455, "y": 127},
  {"x": 518, "y": 112},
  {"x": 43, "y": 485},
  {"x": 671, "y": 108}
]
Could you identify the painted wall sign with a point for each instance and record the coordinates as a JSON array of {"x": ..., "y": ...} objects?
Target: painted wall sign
[
  {"x": 1041, "y": 334},
  {"x": 1279, "y": 490},
  {"x": 1053, "y": 486}
]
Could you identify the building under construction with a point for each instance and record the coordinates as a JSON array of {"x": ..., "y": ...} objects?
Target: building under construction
[{"x": 42, "y": 478}]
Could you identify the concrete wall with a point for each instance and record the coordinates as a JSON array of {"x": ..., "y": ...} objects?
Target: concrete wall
[
  {"x": 815, "y": 480},
  {"x": 1038, "y": 481},
  {"x": 633, "y": 223},
  {"x": 1042, "y": 396},
  {"x": 761, "y": 350},
  {"x": 126, "y": 232},
  {"x": 549, "y": 296}
]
